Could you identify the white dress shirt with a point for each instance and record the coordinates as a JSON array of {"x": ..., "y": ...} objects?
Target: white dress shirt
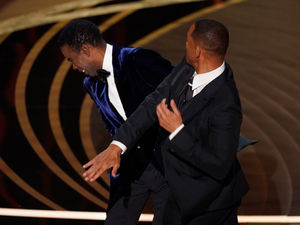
[{"x": 113, "y": 94}]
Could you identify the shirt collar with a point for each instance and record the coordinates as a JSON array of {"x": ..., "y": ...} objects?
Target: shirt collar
[
  {"x": 107, "y": 60},
  {"x": 205, "y": 78}
]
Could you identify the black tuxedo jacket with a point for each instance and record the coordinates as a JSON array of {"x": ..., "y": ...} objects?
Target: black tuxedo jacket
[{"x": 200, "y": 162}]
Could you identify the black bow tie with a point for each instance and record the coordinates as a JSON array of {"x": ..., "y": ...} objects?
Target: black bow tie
[{"x": 102, "y": 75}]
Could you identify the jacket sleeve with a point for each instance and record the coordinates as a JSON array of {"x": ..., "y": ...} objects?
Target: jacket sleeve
[
  {"x": 213, "y": 157},
  {"x": 145, "y": 115}
]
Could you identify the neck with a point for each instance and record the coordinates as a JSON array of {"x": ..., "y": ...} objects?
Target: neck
[{"x": 208, "y": 64}]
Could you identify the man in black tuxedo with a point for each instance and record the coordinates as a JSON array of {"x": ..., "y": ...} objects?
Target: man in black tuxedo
[
  {"x": 118, "y": 79},
  {"x": 199, "y": 111}
]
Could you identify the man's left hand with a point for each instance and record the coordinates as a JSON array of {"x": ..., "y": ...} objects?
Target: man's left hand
[{"x": 169, "y": 120}]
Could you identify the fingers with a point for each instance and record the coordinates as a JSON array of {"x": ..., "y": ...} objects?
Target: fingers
[
  {"x": 89, "y": 163},
  {"x": 115, "y": 170},
  {"x": 94, "y": 172},
  {"x": 88, "y": 175},
  {"x": 170, "y": 120},
  {"x": 95, "y": 168},
  {"x": 164, "y": 107},
  {"x": 174, "y": 107},
  {"x": 103, "y": 161},
  {"x": 94, "y": 175},
  {"x": 162, "y": 110}
]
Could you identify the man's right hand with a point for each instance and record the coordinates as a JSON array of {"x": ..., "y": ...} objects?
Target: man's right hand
[{"x": 110, "y": 157}]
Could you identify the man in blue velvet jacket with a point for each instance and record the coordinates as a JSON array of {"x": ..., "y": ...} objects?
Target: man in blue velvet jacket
[{"x": 118, "y": 79}]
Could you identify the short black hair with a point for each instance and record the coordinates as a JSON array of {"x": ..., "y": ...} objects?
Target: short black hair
[
  {"x": 212, "y": 34},
  {"x": 79, "y": 32}
]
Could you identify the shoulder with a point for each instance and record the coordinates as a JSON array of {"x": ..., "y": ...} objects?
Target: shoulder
[
  {"x": 123, "y": 55},
  {"x": 122, "y": 52},
  {"x": 146, "y": 53},
  {"x": 135, "y": 53},
  {"x": 227, "y": 94}
]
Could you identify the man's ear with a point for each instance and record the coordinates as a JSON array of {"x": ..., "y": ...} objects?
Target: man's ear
[{"x": 85, "y": 49}]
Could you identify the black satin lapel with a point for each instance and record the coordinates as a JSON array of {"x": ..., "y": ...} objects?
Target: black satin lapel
[{"x": 180, "y": 80}]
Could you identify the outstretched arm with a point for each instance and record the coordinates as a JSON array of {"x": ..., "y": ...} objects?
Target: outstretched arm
[
  {"x": 132, "y": 130},
  {"x": 128, "y": 134}
]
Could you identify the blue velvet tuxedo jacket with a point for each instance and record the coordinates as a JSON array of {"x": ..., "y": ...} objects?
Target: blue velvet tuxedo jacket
[
  {"x": 200, "y": 162},
  {"x": 137, "y": 73}
]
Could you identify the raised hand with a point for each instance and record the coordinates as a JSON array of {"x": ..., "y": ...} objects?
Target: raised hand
[{"x": 169, "y": 120}]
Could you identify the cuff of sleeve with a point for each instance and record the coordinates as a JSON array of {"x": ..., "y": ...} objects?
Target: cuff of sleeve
[
  {"x": 119, "y": 144},
  {"x": 173, "y": 134}
]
